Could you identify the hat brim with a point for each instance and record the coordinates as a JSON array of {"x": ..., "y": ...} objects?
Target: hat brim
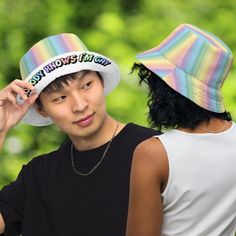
[
  {"x": 183, "y": 83},
  {"x": 44, "y": 75}
]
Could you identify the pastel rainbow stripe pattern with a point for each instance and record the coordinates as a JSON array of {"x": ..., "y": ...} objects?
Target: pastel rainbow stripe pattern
[
  {"x": 48, "y": 48},
  {"x": 193, "y": 62}
]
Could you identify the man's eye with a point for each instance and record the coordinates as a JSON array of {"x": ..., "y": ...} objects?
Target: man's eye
[
  {"x": 59, "y": 99},
  {"x": 87, "y": 85}
]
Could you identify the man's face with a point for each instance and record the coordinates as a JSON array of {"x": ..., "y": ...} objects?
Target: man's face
[{"x": 78, "y": 108}]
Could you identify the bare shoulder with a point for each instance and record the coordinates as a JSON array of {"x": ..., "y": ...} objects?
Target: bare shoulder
[
  {"x": 150, "y": 160},
  {"x": 150, "y": 152},
  {"x": 150, "y": 145}
]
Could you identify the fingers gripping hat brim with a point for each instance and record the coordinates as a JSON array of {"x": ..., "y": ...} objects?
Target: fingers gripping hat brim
[{"x": 47, "y": 70}]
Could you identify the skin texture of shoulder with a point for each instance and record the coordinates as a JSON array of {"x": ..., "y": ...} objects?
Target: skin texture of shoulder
[{"x": 149, "y": 175}]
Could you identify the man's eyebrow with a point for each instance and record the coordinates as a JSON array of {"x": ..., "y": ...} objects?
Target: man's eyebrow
[
  {"x": 54, "y": 90},
  {"x": 84, "y": 74}
]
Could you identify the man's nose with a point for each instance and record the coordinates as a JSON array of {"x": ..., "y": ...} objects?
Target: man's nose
[{"x": 79, "y": 103}]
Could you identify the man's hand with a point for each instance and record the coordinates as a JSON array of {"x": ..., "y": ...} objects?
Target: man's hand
[{"x": 10, "y": 111}]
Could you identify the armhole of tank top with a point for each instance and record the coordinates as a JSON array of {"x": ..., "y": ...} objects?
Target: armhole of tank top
[{"x": 166, "y": 190}]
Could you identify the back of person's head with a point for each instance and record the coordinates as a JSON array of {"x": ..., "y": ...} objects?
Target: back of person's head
[
  {"x": 190, "y": 65},
  {"x": 170, "y": 109}
]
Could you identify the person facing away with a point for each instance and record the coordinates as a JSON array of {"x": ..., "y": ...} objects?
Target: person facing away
[
  {"x": 184, "y": 183},
  {"x": 83, "y": 187}
]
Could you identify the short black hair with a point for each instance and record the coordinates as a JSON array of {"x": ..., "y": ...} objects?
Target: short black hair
[{"x": 168, "y": 108}]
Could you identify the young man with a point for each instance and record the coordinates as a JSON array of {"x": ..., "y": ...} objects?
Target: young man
[
  {"x": 83, "y": 187},
  {"x": 184, "y": 183}
]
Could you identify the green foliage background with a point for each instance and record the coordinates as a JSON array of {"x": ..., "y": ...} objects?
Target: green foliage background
[{"x": 118, "y": 29}]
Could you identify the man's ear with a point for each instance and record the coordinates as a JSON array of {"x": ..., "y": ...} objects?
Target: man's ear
[{"x": 40, "y": 110}]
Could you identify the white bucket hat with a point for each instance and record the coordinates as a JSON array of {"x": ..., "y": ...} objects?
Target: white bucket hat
[{"x": 59, "y": 55}]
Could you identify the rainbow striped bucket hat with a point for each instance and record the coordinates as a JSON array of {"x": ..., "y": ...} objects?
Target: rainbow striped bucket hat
[
  {"x": 193, "y": 62},
  {"x": 59, "y": 55}
]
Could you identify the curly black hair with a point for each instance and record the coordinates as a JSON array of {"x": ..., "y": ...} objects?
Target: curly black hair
[{"x": 168, "y": 108}]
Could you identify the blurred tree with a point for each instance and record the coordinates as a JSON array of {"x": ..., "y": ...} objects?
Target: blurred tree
[{"x": 119, "y": 29}]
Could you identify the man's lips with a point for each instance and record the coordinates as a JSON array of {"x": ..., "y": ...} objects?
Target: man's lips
[{"x": 84, "y": 121}]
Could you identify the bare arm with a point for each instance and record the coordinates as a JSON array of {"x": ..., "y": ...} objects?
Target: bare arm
[
  {"x": 2, "y": 224},
  {"x": 148, "y": 178},
  {"x": 11, "y": 112}
]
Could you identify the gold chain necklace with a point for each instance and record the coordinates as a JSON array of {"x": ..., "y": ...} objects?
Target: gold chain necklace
[
  {"x": 214, "y": 131},
  {"x": 100, "y": 161}
]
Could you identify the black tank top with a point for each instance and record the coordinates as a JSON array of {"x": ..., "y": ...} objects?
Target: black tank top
[
  {"x": 111, "y": 179},
  {"x": 49, "y": 198}
]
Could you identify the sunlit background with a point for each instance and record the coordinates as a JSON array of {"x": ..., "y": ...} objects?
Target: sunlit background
[{"x": 118, "y": 29}]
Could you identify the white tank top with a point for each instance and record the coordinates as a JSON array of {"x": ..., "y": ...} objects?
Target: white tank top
[{"x": 200, "y": 196}]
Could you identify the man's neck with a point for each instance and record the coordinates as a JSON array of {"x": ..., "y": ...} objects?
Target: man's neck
[{"x": 106, "y": 131}]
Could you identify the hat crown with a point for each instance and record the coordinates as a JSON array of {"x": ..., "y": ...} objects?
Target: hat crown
[
  {"x": 198, "y": 53},
  {"x": 48, "y": 48},
  {"x": 194, "y": 63}
]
